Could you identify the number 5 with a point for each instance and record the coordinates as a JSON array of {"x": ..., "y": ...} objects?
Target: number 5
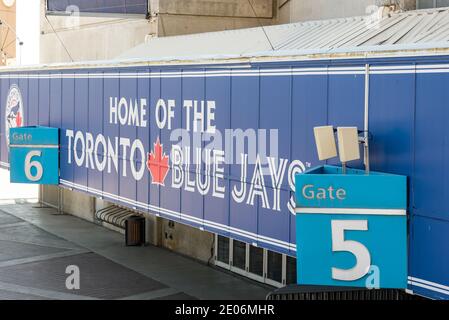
[
  {"x": 33, "y": 164},
  {"x": 360, "y": 252}
]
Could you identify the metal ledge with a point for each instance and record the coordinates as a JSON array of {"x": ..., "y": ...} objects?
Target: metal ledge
[{"x": 311, "y": 293}]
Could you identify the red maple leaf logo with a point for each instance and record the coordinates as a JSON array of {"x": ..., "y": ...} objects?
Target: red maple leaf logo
[{"x": 157, "y": 164}]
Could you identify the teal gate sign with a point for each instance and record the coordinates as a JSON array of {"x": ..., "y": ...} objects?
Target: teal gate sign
[
  {"x": 34, "y": 155},
  {"x": 351, "y": 228}
]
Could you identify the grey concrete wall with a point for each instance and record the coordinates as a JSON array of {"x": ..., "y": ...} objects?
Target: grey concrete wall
[
  {"x": 78, "y": 204},
  {"x": 89, "y": 38},
  {"x": 303, "y": 10},
  {"x": 187, "y": 240},
  {"x": 218, "y": 8},
  {"x": 49, "y": 195},
  {"x": 178, "y": 17},
  {"x": 153, "y": 228},
  {"x": 170, "y": 25}
]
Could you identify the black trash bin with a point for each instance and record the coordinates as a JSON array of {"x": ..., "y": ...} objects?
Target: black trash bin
[{"x": 135, "y": 231}]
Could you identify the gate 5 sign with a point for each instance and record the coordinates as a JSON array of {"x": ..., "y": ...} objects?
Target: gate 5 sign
[
  {"x": 34, "y": 155},
  {"x": 351, "y": 228}
]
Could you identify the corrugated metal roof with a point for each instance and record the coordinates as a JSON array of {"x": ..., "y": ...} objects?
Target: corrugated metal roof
[{"x": 396, "y": 30}]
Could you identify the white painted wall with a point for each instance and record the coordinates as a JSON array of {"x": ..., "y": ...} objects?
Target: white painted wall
[
  {"x": 28, "y": 30},
  {"x": 12, "y": 192}
]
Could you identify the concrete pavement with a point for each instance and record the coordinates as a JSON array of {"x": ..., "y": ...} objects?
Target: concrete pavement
[{"x": 37, "y": 244}]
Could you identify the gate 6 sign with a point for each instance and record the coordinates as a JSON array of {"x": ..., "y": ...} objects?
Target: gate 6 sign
[
  {"x": 351, "y": 229},
  {"x": 34, "y": 155}
]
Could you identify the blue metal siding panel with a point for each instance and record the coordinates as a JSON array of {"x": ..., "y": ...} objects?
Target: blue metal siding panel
[
  {"x": 391, "y": 123},
  {"x": 242, "y": 216},
  {"x": 82, "y": 125},
  {"x": 275, "y": 113},
  {"x": 55, "y": 102},
  {"x": 245, "y": 109},
  {"x": 23, "y": 85},
  {"x": 309, "y": 109},
  {"x": 155, "y": 94},
  {"x": 429, "y": 258},
  {"x": 95, "y": 112},
  {"x": 275, "y": 224},
  {"x": 170, "y": 198},
  {"x": 127, "y": 183},
  {"x": 429, "y": 222},
  {"x": 44, "y": 102},
  {"x": 431, "y": 155},
  {"x": 191, "y": 200},
  {"x": 346, "y": 103},
  {"x": 67, "y": 123},
  {"x": 110, "y": 174},
  {"x": 143, "y": 134},
  {"x": 217, "y": 209}
]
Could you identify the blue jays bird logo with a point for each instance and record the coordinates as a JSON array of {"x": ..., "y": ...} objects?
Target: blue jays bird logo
[{"x": 14, "y": 110}]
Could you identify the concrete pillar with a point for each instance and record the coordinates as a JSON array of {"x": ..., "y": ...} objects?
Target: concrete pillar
[
  {"x": 153, "y": 234},
  {"x": 79, "y": 204},
  {"x": 48, "y": 195}
]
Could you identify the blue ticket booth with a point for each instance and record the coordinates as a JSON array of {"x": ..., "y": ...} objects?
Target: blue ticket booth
[
  {"x": 34, "y": 155},
  {"x": 351, "y": 228}
]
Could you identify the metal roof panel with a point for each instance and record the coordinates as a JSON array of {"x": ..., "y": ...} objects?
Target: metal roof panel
[{"x": 353, "y": 34}]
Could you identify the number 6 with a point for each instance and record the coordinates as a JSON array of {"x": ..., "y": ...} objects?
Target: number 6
[
  {"x": 360, "y": 252},
  {"x": 33, "y": 164}
]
